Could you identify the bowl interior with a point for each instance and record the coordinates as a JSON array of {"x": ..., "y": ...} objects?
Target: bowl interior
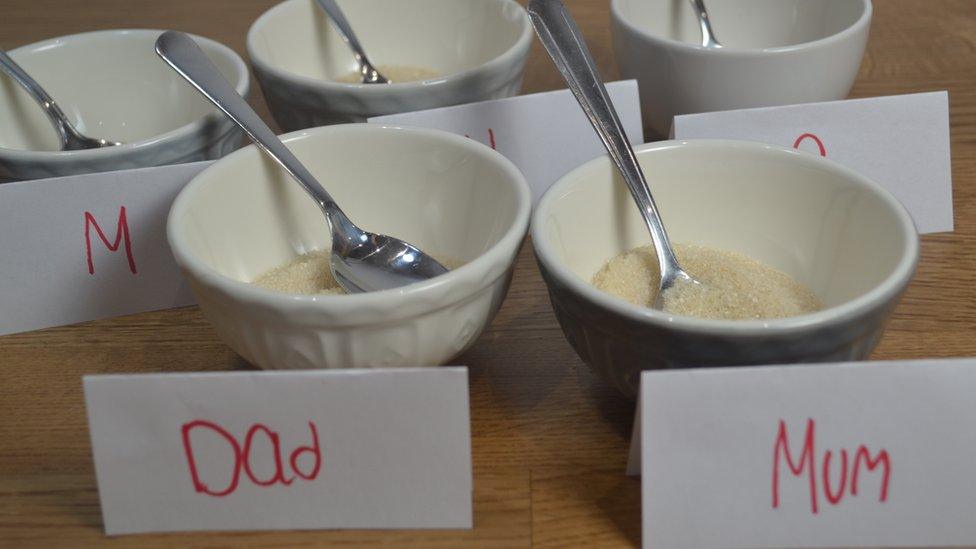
[
  {"x": 448, "y": 195},
  {"x": 807, "y": 218},
  {"x": 110, "y": 84},
  {"x": 745, "y": 24},
  {"x": 446, "y": 36}
]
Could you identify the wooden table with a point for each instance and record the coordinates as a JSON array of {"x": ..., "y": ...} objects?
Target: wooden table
[{"x": 549, "y": 437}]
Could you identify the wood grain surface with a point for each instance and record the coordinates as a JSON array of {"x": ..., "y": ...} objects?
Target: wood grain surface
[{"x": 549, "y": 437}]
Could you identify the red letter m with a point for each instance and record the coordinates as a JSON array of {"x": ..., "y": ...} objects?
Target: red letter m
[
  {"x": 782, "y": 448},
  {"x": 121, "y": 234},
  {"x": 864, "y": 457}
]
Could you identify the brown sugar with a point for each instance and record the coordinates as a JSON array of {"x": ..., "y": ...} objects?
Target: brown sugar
[{"x": 734, "y": 286}]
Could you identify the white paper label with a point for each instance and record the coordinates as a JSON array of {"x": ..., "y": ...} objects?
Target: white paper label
[
  {"x": 827, "y": 455},
  {"x": 901, "y": 142},
  {"x": 88, "y": 246},
  {"x": 282, "y": 450},
  {"x": 544, "y": 134}
]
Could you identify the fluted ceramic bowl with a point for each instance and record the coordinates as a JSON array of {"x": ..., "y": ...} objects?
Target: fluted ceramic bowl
[
  {"x": 776, "y": 52},
  {"x": 478, "y": 46},
  {"x": 112, "y": 85},
  {"x": 449, "y": 195},
  {"x": 843, "y": 236}
]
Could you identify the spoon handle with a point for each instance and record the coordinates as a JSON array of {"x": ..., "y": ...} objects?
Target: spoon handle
[
  {"x": 183, "y": 54},
  {"x": 565, "y": 44},
  {"x": 708, "y": 35},
  {"x": 51, "y": 108},
  {"x": 345, "y": 30}
]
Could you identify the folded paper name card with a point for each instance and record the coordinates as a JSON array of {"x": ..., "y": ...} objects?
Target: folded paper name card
[
  {"x": 544, "y": 134},
  {"x": 831, "y": 455},
  {"x": 282, "y": 450},
  {"x": 900, "y": 142},
  {"x": 89, "y": 246}
]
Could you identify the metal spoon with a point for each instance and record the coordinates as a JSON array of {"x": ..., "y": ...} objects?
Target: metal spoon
[
  {"x": 361, "y": 261},
  {"x": 71, "y": 139},
  {"x": 708, "y": 35},
  {"x": 366, "y": 69},
  {"x": 568, "y": 50}
]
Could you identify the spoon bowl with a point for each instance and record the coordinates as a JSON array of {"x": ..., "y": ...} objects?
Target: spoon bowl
[
  {"x": 380, "y": 261},
  {"x": 361, "y": 261}
]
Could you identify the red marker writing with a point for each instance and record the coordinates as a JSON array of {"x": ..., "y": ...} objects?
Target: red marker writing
[
  {"x": 491, "y": 138},
  {"x": 244, "y": 457},
  {"x": 812, "y": 137},
  {"x": 805, "y": 464},
  {"x": 121, "y": 235}
]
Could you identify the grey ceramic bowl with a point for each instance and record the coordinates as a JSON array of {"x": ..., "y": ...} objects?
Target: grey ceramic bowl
[
  {"x": 478, "y": 46},
  {"x": 776, "y": 52},
  {"x": 845, "y": 237},
  {"x": 112, "y": 85}
]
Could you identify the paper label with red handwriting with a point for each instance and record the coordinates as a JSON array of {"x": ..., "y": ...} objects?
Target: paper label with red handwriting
[
  {"x": 901, "y": 142},
  {"x": 89, "y": 246},
  {"x": 544, "y": 134},
  {"x": 282, "y": 450},
  {"x": 871, "y": 454}
]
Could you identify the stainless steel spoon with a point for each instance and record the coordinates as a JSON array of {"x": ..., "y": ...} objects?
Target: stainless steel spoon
[
  {"x": 708, "y": 35},
  {"x": 361, "y": 261},
  {"x": 71, "y": 139},
  {"x": 366, "y": 69},
  {"x": 565, "y": 44}
]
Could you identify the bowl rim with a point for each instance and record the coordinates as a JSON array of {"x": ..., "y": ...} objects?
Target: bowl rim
[
  {"x": 862, "y": 22},
  {"x": 518, "y": 49},
  {"x": 431, "y": 293},
  {"x": 242, "y": 85},
  {"x": 884, "y": 292}
]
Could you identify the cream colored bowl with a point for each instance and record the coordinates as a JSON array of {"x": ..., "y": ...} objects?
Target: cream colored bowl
[
  {"x": 777, "y": 52},
  {"x": 451, "y": 196},
  {"x": 841, "y": 235},
  {"x": 478, "y": 46},
  {"x": 112, "y": 85}
]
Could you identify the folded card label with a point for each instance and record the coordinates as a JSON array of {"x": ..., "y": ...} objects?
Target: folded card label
[
  {"x": 544, "y": 134},
  {"x": 839, "y": 455},
  {"x": 88, "y": 246},
  {"x": 282, "y": 450},
  {"x": 901, "y": 142}
]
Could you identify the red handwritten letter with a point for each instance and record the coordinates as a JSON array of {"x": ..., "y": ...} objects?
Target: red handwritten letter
[
  {"x": 814, "y": 138},
  {"x": 316, "y": 453},
  {"x": 121, "y": 234},
  {"x": 806, "y": 460},
  {"x": 273, "y": 437},
  {"x": 881, "y": 459},
  {"x": 491, "y": 137},
  {"x": 832, "y": 497},
  {"x": 191, "y": 462}
]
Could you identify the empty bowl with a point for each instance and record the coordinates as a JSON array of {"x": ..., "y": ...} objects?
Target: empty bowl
[
  {"x": 843, "y": 236},
  {"x": 477, "y": 48},
  {"x": 776, "y": 52},
  {"x": 451, "y": 196},
  {"x": 111, "y": 85}
]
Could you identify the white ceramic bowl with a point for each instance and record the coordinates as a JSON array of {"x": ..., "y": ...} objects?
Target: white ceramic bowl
[
  {"x": 112, "y": 85},
  {"x": 777, "y": 52},
  {"x": 479, "y": 46},
  {"x": 451, "y": 196},
  {"x": 846, "y": 238}
]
